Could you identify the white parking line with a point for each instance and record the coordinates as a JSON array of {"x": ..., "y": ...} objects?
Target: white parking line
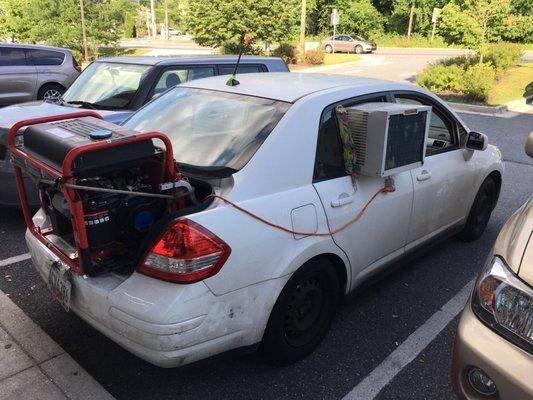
[
  {"x": 369, "y": 387},
  {"x": 15, "y": 259}
]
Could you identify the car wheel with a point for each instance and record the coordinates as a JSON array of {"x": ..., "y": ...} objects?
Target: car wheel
[
  {"x": 329, "y": 49},
  {"x": 51, "y": 92},
  {"x": 303, "y": 312},
  {"x": 359, "y": 49},
  {"x": 479, "y": 215}
]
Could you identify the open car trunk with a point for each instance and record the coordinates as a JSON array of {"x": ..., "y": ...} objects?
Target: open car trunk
[{"x": 108, "y": 193}]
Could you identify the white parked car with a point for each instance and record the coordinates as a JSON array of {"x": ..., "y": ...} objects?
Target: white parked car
[{"x": 271, "y": 145}]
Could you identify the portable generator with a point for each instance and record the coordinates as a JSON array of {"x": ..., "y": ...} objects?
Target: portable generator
[{"x": 102, "y": 186}]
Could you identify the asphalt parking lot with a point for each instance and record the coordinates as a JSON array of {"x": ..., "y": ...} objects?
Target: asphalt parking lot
[{"x": 369, "y": 326}]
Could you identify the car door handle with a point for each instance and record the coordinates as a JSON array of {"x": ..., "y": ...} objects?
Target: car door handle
[
  {"x": 423, "y": 176},
  {"x": 342, "y": 200}
]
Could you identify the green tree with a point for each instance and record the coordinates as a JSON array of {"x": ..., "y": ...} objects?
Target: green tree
[
  {"x": 361, "y": 18},
  {"x": 57, "y": 22},
  {"x": 220, "y": 22},
  {"x": 475, "y": 23}
]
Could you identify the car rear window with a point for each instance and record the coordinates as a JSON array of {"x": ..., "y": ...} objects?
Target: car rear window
[
  {"x": 47, "y": 57},
  {"x": 12, "y": 57},
  {"x": 210, "y": 130}
]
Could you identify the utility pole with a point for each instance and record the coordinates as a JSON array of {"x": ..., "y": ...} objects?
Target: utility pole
[
  {"x": 152, "y": 23},
  {"x": 302, "y": 28},
  {"x": 84, "y": 33},
  {"x": 166, "y": 20},
  {"x": 411, "y": 16}
]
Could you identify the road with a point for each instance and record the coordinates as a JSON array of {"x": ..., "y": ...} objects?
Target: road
[{"x": 369, "y": 326}]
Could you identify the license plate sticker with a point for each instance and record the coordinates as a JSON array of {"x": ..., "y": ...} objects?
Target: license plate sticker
[{"x": 59, "y": 285}]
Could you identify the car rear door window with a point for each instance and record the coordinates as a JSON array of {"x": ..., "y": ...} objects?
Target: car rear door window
[
  {"x": 12, "y": 57},
  {"x": 174, "y": 76},
  {"x": 46, "y": 57},
  {"x": 227, "y": 69}
]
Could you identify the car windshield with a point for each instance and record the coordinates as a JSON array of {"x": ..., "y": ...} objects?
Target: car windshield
[
  {"x": 360, "y": 38},
  {"x": 107, "y": 85},
  {"x": 210, "y": 130}
]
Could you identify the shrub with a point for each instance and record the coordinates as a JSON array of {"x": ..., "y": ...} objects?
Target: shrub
[
  {"x": 314, "y": 57},
  {"x": 235, "y": 48},
  {"x": 440, "y": 78},
  {"x": 287, "y": 52},
  {"x": 479, "y": 80},
  {"x": 502, "y": 55}
]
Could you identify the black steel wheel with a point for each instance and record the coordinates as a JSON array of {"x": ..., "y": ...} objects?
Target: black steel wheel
[
  {"x": 479, "y": 215},
  {"x": 303, "y": 312}
]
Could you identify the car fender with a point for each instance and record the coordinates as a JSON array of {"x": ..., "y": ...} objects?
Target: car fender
[{"x": 485, "y": 163}]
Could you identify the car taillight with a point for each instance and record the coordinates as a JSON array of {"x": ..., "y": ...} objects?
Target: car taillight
[
  {"x": 77, "y": 68},
  {"x": 186, "y": 253}
]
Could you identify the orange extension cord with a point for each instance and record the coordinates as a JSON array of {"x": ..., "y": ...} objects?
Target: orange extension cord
[{"x": 386, "y": 189}]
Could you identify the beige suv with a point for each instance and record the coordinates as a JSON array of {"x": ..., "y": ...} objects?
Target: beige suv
[
  {"x": 493, "y": 353},
  {"x": 32, "y": 72}
]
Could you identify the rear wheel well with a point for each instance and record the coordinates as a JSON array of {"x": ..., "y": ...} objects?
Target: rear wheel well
[
  {"x": 340, "y": 269},
  {"x": 48, "y": 84}
]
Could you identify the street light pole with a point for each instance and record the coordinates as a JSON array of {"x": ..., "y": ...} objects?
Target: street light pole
[
  {"x": 84, "y": 33},
  {"x": 302, "y": 27}
]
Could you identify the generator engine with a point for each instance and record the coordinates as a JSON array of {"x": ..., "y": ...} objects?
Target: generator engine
[{"x": 102, "y": 186}]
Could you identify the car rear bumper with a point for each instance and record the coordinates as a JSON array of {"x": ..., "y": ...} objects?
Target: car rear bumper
[
  {"x": 508, "y": 366},
  {"x": 164, "y": 323}
]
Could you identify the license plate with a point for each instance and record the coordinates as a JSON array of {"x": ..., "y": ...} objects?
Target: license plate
[{"x": 59, "y": 285}]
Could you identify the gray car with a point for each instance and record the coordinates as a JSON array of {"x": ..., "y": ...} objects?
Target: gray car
[
  {"x": 33, "y": 72},
  {"x": 116, "y": 87}
]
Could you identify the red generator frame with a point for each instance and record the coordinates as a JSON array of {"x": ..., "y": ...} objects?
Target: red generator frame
[{"x": 82, "y": 264}]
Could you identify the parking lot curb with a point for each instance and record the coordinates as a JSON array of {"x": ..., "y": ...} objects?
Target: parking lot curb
[{"x": 33, "y": 366}]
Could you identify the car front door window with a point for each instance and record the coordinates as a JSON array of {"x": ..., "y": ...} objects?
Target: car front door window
[{"x": 174, "y": 76}]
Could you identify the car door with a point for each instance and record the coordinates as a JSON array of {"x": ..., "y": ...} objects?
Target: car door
[
  {"x": 443, "y": 184},
  {"x": 18, "y": 78},
  {"x": 47, "y": 64},
  {"x": 380, "y": 235}
]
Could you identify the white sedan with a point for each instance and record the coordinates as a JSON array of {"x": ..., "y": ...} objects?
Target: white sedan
[{"x": 270, "y": 259}]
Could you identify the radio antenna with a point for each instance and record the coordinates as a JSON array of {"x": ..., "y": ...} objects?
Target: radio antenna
[{"x": 232, "y": 81}]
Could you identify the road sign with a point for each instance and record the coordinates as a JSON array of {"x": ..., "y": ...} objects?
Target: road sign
[
  {"x": 435, "y": 16},
  {"x": 335, "y": 18}
]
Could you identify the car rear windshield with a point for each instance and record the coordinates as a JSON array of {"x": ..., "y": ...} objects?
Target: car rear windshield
[
  {"x": 210, "y": 130},
  {"x": 107, "y": 85}
]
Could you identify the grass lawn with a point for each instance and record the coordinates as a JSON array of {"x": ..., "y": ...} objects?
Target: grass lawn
[
  {"x": 337, "y": 58},
  {"x": 516, "y": 83}
]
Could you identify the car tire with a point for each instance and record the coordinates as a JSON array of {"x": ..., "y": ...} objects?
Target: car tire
[
  {"x": 479, "y": 215},
  {"x": 50, "y": 91},
  {"x": 328, "y": 49},
  {"x": 359, "y": 49},
  {"x": 303, "y": 313}
]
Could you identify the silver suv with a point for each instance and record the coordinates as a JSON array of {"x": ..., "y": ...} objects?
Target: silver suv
[{"x": 33, "y": 72}]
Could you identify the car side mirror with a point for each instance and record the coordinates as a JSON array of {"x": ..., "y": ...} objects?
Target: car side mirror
[
  {"x": 529, "y": 145},
  {"x": 477, "y": 141}
]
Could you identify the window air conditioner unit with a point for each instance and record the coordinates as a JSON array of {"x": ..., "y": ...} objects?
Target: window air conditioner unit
[{"x": 388, "y": 138}]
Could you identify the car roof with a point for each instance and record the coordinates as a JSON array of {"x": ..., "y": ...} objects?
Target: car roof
[
  {"x": 34, "y": 46},
  {"x": 275, "y": 85},
  {"x": 173, "y": 60}
]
